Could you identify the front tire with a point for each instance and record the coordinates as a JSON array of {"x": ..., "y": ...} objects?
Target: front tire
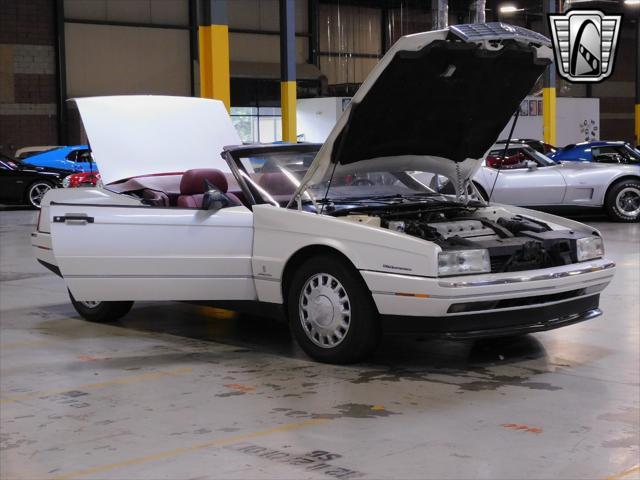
[
  {"x": 331, "y": 312},
  {"x": 36, "y": 192},
  {"x": 101, "y": 312},
  {"x": 623, "y": 201}
]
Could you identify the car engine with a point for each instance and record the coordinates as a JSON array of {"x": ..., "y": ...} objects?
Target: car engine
[{"x": 515, "y": 243}]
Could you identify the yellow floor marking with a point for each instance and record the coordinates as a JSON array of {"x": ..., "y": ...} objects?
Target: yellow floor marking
[
  {"x": 189, "y": 449},
  {"x": 24, "y": 344},
  {"x": 94, "y": 386},
  {"x": 240, "y": 388},
  {"x": 377, "y": 407},
  {"x": 626, "y": 473},
  {"x": 219, "y": 313}
]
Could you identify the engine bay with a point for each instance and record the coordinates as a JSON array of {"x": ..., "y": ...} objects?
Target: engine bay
[{"x": 514, "y": 242}]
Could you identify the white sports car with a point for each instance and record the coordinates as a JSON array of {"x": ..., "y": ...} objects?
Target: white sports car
[
  {"x": 343, "y": 241},
  {"x": 528, "y": 178},
  {"x": 531, "y": 179}
]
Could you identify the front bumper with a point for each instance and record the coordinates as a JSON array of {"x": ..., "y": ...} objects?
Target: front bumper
[
  {"x": 496, "y": 324},
  {"x": 492, "y": 304}
]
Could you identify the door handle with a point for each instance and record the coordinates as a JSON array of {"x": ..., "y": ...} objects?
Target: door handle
[{"x": 75, "y": 218}]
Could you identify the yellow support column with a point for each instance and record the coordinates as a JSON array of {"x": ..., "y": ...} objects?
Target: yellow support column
[
  {"x": 288, "y": 70},
  {"x": 549, "y": 85},
  {"x": 549, "y": 114},
  {"x": 288, "y": 106},
  {"x": 213, "y": 42}
]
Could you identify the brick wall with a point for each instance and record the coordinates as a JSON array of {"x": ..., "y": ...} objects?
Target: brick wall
[{"x": 27, "y": 74}]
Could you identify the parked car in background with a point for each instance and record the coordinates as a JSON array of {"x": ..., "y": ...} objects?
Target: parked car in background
[
  {"x": 526, "y": 177},
  {"x": 73, "y": 159},
  {"x": 26, "y": 152},
  {"x": 537, "y": 145},
  {"x": 82, "y": 179},
  {"x": 599, "y": 151},
  {"x": 22, "y": 183}
]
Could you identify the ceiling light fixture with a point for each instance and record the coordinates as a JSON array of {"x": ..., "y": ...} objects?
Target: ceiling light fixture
[{"x": 510, "y": 9}]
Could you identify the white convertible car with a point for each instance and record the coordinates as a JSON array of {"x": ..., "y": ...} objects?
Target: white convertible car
[{"x": 340, "y": 239}]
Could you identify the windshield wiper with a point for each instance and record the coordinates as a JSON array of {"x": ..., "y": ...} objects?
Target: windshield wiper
[{"x": 394, "y": 198}]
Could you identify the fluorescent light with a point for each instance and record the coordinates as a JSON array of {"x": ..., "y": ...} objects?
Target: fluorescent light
[
  {"x": 510, "y": 9},
  {"x": 632, "y": 2}
]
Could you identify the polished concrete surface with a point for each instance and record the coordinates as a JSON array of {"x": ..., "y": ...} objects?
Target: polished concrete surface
[{"x": 178, "y": 391}]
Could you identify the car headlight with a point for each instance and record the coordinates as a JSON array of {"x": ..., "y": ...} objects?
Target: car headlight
[
  {"x": 462, "y": 262},
  {"x": 589, "y": 248},
  {"x": 66, "y": 181}
]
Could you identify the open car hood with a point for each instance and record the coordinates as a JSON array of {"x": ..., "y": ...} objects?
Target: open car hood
[
  {"x": 435, "y": 102},
  {"x": 137, "y": 135}
]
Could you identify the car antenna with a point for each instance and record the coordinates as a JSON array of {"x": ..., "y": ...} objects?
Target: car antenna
[{"x": 504, "y": 154}]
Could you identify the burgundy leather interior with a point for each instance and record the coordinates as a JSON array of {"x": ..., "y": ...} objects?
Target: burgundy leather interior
[
  {"x": 276, "y": 184},
  {"x": 194, "y": 181},
  {"x": 193, "y": 185}
]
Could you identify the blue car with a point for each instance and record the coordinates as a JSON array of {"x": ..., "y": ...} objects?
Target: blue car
[
  {"x": 75, "y": 159},
  {"x": 600, "y": 151}
]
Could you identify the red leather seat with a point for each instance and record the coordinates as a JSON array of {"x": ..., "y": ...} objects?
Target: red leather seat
[{"x": 193, "y": 185}]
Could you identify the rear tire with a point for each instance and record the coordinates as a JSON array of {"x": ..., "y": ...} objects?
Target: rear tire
[
  {"x": 101, "y": 312},
  {"x": 622, "y": 202},
  {"x": 36, "y": 192},
  {"x": 331, "y": 312}
]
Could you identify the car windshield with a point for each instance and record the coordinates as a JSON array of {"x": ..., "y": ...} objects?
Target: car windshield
[
  {"x": 521, "y": 154},
  {"x": 615, "y": 153},
  {"x": 276, "y": 174},
  {"x": 379, "y": 186},
  {"x": 632, "y": 154}
]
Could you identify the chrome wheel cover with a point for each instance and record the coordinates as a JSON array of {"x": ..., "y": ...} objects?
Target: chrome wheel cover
[
  {"x": 628, "y": 202},
  {"x": 324, "y": 310},
  {"x": 37, "y": 192},
  {"x": 90, "y": 304}
]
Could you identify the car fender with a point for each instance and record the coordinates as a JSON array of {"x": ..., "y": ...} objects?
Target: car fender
[
  {"x": 630, "y": 172},
  {"x": 280, "y": 233}
]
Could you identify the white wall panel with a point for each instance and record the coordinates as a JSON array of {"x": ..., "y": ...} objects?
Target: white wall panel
[
  {"x": 245, "y": 47},
  {"x": 264, "y": 15},
  {"x": 174, "y": 12}
]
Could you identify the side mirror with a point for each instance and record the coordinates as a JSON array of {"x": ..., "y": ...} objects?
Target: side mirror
[
  {"x": 214, "y": 200},
  {"x": 531, "y": 165}
]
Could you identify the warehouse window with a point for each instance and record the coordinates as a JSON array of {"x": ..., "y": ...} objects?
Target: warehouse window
[{"x": 258, "y": 124}]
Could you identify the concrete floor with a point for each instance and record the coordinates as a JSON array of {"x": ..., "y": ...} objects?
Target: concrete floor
[{"x": 177, "y": 391}]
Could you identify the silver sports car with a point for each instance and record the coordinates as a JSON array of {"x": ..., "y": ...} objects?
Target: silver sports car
[{"x": 525, "y": 177}]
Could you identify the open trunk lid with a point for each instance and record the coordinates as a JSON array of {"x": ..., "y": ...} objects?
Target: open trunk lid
[{"x": 133, "y": 135}]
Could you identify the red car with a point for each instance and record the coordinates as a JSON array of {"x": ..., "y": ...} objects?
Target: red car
[{"x": 81, "y": 179}]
